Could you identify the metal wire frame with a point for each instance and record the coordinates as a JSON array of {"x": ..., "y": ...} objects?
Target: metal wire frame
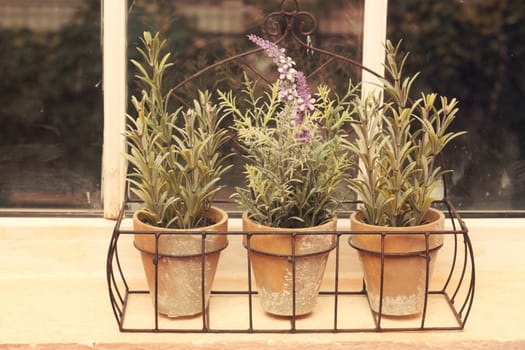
[
  {"x": 297, "y": 25},
  {"x": 457, "y": 291}
]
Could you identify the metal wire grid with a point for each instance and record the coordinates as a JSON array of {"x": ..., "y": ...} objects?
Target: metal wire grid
[
  {"x": 340, "y": 310},
  {"x": 339, "y": 305}
]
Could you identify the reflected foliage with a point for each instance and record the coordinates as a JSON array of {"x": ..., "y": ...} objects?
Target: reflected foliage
[
  {"x": 474, "y": 50},
  {"x": 202, "y": 33},
  {"x": 51, "y": 114}
]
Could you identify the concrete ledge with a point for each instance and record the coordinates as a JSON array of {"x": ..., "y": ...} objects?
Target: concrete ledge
[
  {"x": 54, "y": 296},
  {"x": 474, "y": 345}
]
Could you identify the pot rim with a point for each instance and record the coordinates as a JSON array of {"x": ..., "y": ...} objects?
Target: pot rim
[
  {"x": 401, "y": 229},
  {"x": 422, "y": 253},
  {"x": 287, "y": 230},
  {"x": 289, "y": 256},
  {"x": 277, "y": 241},
  {"x": 419, "y": 240},
  {"x": 195, "y": 230},
  {"x": 147, "y": 241}
]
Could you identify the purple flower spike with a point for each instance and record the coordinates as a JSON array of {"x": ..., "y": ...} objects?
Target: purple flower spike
[
  {"x": 303, "y": 91},
  {"x": 304, "y": 135},
  {"x": 293, "y": 89},
  {"x": 274, "y": 51}
]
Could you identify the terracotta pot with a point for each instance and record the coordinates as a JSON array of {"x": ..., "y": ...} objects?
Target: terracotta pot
[
  {"x": 179, "y": 267},
  {"x": 272, "y": 263},
  {"x": 405, "y": 262}
]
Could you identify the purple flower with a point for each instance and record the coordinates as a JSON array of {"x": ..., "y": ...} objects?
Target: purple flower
[
  {"x": 274, "y": 51},
  {"x": 293, "y": 88},
  {"x": 304, "y": 102},
  {"x": 303, "y": 92},
  {"x": 304, "y": 135}
]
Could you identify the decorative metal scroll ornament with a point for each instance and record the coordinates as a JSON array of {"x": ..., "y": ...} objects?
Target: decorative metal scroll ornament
[
  {"x": 300, "y": 25},
  {"x": 297, "y": 23}
]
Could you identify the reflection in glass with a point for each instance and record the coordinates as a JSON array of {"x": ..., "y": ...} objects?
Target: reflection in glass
[
  {"x": 474, "y": 50},
  {"x": 201, "y": 33},
  {"x": 50, "y": 103}
]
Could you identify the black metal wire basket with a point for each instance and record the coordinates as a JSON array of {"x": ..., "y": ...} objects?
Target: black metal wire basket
[{"x": 342, "y": 306}]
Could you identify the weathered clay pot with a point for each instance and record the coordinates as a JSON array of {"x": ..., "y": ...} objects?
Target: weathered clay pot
[
  {"x": 271, "y": 260},
  {"x": 405, "y": 262},
  {"x": 179, "y": 267}
]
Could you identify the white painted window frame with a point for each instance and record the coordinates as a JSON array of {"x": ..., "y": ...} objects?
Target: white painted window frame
[
  {"x": 114, "y": 23},
  {"x": 114, "y": 29},
  {"x": 374, "y": 37}
]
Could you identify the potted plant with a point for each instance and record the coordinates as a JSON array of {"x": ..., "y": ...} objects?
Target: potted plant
[
  {"x": 176, "y": 169},
  {"x": 294, "y": 146},
  {"x": 398, "y": 143}
]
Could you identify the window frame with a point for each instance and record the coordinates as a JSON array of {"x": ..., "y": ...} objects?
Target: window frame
[
  {"x": 114, "y": 45},
  {"x": 114, "y": 52},
  {"x": 114, "y": 23}
]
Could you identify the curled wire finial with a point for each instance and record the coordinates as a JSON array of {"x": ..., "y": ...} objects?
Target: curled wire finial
[{"x": 297, "y": 22}]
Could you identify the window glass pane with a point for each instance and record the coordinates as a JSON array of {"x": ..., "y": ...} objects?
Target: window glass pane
[
  {"x": 201, "y": 33},
  {"x": 50, "y": 103},
  {"x": 473, "y": 50}
]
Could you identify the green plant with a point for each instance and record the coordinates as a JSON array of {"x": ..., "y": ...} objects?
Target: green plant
[
  {"x": 294, "y": 147},
  {"x": 175, "y": 155},
  {"x": 398, "y": 143}
]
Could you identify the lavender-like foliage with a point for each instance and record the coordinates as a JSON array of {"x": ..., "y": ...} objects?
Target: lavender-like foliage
[
  {"x": 293, "y": 144},
  {"x": 292, "y": 85}
]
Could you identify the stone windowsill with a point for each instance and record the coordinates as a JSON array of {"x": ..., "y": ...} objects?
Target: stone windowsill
[{"x": 54, "y": 295}]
